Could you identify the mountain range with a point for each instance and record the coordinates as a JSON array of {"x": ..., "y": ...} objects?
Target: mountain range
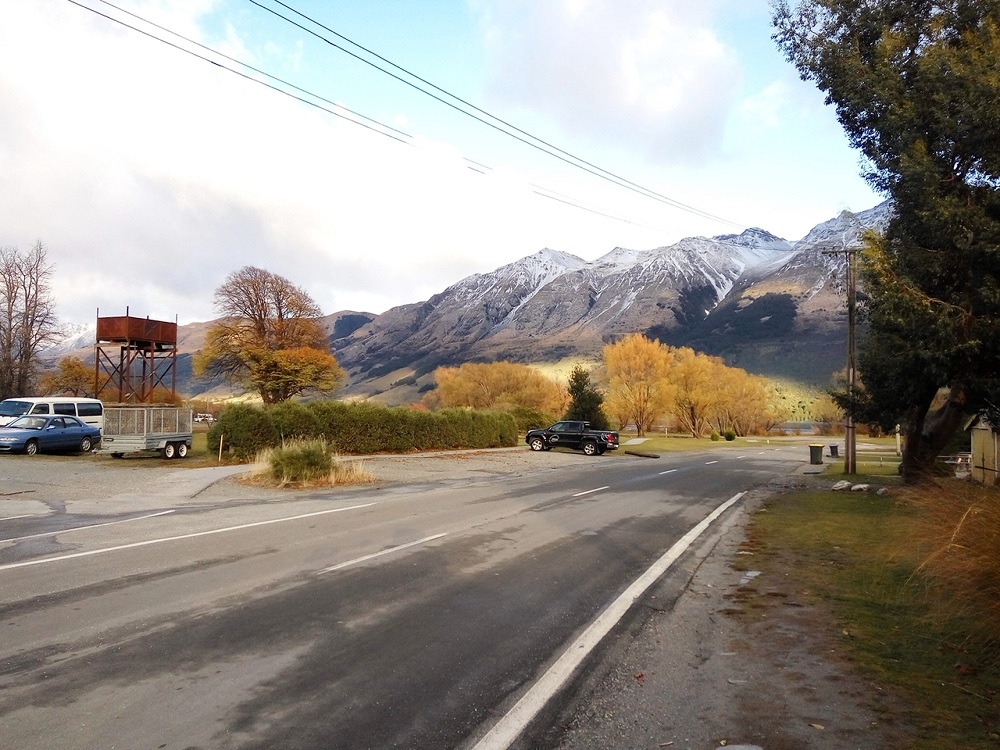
[{"x": 759, "y": 302}]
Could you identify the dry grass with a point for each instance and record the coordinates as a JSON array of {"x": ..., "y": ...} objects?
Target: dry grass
[
  {"x": 306, "y": 464},
  {"x": 958, "y": 537}
]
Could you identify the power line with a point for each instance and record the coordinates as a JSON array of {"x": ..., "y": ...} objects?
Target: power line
[
  {"x": 534, "y": 142},
  {"x": 471, "y": 164},
  {"x": 241, "y": 74}
]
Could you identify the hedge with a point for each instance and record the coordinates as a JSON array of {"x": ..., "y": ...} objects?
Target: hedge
[{"x": 358, "y": 428}]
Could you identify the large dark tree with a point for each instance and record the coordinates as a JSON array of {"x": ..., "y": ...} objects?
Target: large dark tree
[
  {"x": 269, "y": 339},
  {"x": 916, "y": 86},
  {"x": 587, "y": 402}
]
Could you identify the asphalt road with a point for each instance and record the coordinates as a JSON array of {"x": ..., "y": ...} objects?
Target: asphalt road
[{"x": 407, "y": 615}]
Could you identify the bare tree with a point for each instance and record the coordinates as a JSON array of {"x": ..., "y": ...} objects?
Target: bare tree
[{"x": 27, "y": 316}]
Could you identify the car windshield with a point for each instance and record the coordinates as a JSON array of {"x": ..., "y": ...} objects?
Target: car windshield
[
  {"x": 14, "y": 408},
  {"x": 28, "y": 423}
]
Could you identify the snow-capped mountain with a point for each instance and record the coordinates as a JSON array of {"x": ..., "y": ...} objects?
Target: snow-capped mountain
[
  {"x": 725, "y": 294},
  {"x": 758, "y": 301}
]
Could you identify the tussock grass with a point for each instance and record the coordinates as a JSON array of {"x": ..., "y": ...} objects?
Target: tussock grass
[
  {"x": 306, "y": 463},
  {"x": 912, "y": 586},
  {"x": 959, "y": 538}
]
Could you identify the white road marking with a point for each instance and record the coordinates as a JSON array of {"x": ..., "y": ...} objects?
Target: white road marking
[
  {"x": 11, "y": 518},
  {"x": 511, "y": 724},
  {"x": 389, "y": 551},
  {"x": 709, "y": 463},
  {"x": 741, "y": 456},
  {"x": 81, "y": 528},
  {"x": 192, "y": 535},
  {"x": 581, "y": 494},
  {"x": 668, "y": 471}
]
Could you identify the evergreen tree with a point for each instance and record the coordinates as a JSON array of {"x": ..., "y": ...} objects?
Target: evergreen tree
[
  {"x": 916, "y": 85},
  {"x": 587, "y": 401}
]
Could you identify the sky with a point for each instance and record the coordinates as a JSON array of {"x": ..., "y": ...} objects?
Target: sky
[{"x": 150, "y": 174}]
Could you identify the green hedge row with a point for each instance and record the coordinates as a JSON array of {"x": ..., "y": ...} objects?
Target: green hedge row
[{"x": 358, "y": 428}]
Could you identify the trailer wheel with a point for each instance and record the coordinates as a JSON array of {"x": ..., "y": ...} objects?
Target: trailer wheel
[
  {"x": 169, "y": 450},
  {"x": 182, "y": 450}
]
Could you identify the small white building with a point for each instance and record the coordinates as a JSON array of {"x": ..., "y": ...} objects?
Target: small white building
[{"x": 984, "y": 429}]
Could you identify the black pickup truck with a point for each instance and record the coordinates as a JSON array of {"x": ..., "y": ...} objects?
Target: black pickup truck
[{"x": 573, "y": 435}]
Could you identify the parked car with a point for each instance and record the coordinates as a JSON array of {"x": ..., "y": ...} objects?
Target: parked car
[
  {"x": 571, "y": 434},
  {"x": 33, "y": 433}
]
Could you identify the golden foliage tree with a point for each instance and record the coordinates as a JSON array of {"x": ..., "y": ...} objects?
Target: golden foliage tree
[
  {"x": 72, "y": 376},
  {"x": 695, "y": 377},
  {"x": 499, "y": 385},
  {"x": 640, "y": 390},
  {"x": 269, "y": 339}
]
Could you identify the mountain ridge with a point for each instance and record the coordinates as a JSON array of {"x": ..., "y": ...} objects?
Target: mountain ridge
[{"x": 754, "y": 299}]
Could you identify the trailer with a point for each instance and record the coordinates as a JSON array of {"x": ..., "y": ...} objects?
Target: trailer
[{"x": 135, "y": 429}]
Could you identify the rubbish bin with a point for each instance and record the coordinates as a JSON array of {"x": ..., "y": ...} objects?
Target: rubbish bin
[
  {"x": 834, "y": 450},
  {"x": 816, "y": 453}
]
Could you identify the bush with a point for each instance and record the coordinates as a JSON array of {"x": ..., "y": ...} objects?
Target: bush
[
  {"x": 244, "y": 431},
  {"x": 715, "y": 436},
  {"x": 303, "y": 461},
  {"x": 730, "y": 435},
  {"x": 294, "y": 421},
  {"x": 359, "y": 428}
]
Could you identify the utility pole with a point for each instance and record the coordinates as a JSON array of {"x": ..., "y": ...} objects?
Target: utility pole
[{"x": 850, "y": 433}]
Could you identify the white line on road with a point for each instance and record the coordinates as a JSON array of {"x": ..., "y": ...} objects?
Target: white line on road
[
  {"x": 668, "y": 471},
  {"x": 709, "y": 463},
  {"x": 581, "y": 494},
  {"x": 192, "y": 535},
  {"x": 511, "y": 724},
  {"x": 81, "y": 528},
  {"x": 11, "y": 518},
  {"x": 389, "y": 551}
]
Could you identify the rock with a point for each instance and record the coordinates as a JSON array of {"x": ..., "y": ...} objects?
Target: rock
[
  {"x": 843, "y": 484},
  {"x": 861, "y": 488}
]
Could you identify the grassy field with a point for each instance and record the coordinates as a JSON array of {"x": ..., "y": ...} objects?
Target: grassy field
[{"x": 911, "y": 626}]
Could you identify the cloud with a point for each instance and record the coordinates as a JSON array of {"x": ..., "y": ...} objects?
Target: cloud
[{"x": 652, "y": 75}]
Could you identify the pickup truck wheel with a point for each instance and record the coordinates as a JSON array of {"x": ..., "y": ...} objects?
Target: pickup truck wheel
[
  {"x": 590, "y": 448},
  {"x": 86, "y": 444},
  {"x": 536, "y": 444},
  {"x": 169, "y": 450},
  {"x": 182, "y": 450}
]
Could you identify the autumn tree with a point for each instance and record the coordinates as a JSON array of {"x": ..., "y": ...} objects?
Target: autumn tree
[
  {"x": 499, "y": 385},
  {"x": 916, "y": 86},
  {"x": 269, "y": 339},
  {"x": 585, "y": 400},
  {"x": 639, "y": 381},
  {"x": 745, "y": 403},
  {"x": 695, "y": 378},
  {"x": 72, "y": 376},
  {"x": 27, "y": 316}
]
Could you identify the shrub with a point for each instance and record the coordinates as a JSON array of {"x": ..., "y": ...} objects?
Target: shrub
[
  {"x": 301, "y": 461},
  {"x": 294, "y": 421},
  {"x": 730, "y": 435},
  {"x": 715, "y": 436},
  {"x": 244, "y": 430},
  {"x": 307, "y": 463}
]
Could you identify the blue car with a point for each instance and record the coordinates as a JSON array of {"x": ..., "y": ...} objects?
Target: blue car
[{"x": 33, "y": 433}]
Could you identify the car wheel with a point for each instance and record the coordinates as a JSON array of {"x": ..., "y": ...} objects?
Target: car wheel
[
  {"x": 31, "y": 447},
  {"x": 590, "y": 448},
  {"x": 169, "y": 450},
  {"x": 86, "y": 445},
  {"x": 536, "y": 444},
  {"x": 182, "y": 450}
]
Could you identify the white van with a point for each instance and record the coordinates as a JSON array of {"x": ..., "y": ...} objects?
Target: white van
[{"x": 89, "y": 410}]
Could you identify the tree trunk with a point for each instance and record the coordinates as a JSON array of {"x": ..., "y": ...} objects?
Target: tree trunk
[{"x": 929, "y": 433}]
